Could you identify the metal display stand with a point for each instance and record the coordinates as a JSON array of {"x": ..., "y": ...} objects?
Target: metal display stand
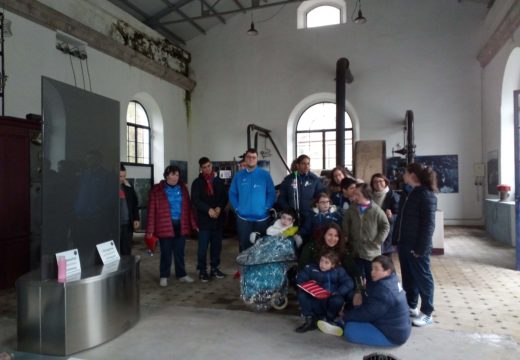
[{"x": 64, "y": 318}]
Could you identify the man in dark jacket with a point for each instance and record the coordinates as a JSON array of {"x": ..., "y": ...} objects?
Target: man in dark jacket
[
  {"x": 298, "y": 190},
  {"x": 128, "y": 213},
  {"x": 209, "y": 197}
]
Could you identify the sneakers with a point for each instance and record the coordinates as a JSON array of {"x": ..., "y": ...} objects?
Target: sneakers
[
  {"x": 422, "y": 320},
  {"x": 330, "y": 328},
  {"x": 163, "y": 282},
  {"x": 215, "y": 272},
  {"x": 186, "y": 279},
  {"x": 203, "y": 276},
  {"x": 414, "y": 312}
]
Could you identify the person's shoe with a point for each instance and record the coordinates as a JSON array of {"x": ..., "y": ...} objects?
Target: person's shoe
[
  {"x": 422, "y": 320},
  {"x": 203, "y": 276},
  {"x": 309, "y": 324},
  {"x": 186, "y": 279},
  {"x": 215, "y": 272},
  {"x": 414, "y": 312},
  {"x": 330, "y": 328},
  {"x": 163, "y": 282}
]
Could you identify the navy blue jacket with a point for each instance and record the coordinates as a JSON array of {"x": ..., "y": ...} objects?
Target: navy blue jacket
[
  {"x": 336, "y": 280},
  {"x": 203, "y": 202},
  {"x": 385, "y": 307},
  {"x": 416, "y": 220},
  {"x": 309, "y": 186},
  {"x": 318, "y": 220}
]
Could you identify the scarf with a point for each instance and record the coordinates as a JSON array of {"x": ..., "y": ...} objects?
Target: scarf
[
  {"x": 379, "y": 196},
  {"x": 209, "y": 183}
]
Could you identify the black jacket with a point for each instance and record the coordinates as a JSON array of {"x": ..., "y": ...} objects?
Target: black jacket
[
  {"x": 133, "y": 205},
  {"x": 416, "y": 220},
  {"x": 203, "y": 202},
  {"x": 391, "y": 202}
]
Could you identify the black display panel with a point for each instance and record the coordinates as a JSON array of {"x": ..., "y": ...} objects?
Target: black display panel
[{"x": 80, "y": 173}]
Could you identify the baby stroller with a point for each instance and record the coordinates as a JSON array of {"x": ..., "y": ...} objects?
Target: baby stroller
[{"x": 264, "y": 266}]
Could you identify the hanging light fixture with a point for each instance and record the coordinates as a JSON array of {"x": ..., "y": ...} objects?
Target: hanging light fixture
[
  {"x": 252, "y": 31},
  {"x": 360, "y": 19}
]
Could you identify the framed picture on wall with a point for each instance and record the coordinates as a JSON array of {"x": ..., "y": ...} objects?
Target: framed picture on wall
[{"x": 140, "y": 176}]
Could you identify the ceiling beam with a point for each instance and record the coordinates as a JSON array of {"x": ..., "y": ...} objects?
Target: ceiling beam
[
  {"x": 212, "y": 9},
  {"x": 54, "y": 20},
  {"x": 177, "y": 9},
  {"x": 261, "y": 6},
  {"x": 158, "y": 27},
  {"x": 237, "y": 3}
]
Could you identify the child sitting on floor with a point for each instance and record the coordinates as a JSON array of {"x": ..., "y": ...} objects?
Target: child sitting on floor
[
  {"x": 383, "y": 318},
  {"x": 333, "y": 279}
]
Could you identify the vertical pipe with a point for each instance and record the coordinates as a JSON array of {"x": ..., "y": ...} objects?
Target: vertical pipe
[
  {"x": 410, "y": 146},
  {"x": 343, "y": 75}
]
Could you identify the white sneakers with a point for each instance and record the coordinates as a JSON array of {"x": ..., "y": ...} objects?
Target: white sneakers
[
  {"x": 330, "y": 328},
  {"x": 186, "y": 279},
  {"x": 422, "y": 320},
  {"x": 414, "y": 312}
]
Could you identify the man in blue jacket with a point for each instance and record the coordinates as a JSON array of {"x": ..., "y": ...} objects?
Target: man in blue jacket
[
  {"x": 298, "y": 190},
  {"x": 251, "y": 195}
]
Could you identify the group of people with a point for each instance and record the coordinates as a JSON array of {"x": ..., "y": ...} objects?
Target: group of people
[{"x": 346, "y": 231}]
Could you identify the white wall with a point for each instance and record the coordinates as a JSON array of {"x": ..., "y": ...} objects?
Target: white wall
[
  {"x": 31, "y": 53},
  {"x": 418, "y": 55}
]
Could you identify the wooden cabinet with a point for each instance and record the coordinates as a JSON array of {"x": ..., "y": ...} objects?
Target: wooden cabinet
[{"x": 15, "y": 137}]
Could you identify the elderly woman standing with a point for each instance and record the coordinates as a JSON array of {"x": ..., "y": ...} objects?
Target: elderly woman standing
[
  {"x": 171, "y": 220},
  {"x": 413, "y": 234},
  {"x": 388, "y": 201}
]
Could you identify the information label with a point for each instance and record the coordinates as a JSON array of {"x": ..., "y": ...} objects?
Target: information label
[
  {"x": 108, "y": 252},
  {"x": 72, "y": 261}
]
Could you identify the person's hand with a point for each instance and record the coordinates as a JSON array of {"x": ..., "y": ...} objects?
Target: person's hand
[
  {"x": 136, "y": 224},
  {"x": 388, "y": 213},
  {"x": 217, "y": 211},
  {"x": 357, "y": 299},
  {"x": 212, "y": 213}
]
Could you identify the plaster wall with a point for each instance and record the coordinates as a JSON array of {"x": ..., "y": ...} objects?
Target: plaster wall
[
  {"x": 418, "y": 55},
  {"x": 31, "y": 53}
]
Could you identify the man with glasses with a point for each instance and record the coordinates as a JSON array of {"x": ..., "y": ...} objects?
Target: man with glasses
[{"x": 251, "y": 195}]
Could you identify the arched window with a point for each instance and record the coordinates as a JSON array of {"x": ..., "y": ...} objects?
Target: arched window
[
  {"x": 315, "y": 13},
  {"x": 137, "y": 134},
  {"x": 316, "y": 136},
  {"x": 323, "y": 16}
]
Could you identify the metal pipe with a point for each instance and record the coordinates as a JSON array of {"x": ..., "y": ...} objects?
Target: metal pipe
[
  {"x": 410, "y": 145},
  {"x": 343, "y": 75}
]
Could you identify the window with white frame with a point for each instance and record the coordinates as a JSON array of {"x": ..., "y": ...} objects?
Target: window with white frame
[
  {"x": 316, "y": 136},
  {"x": 316, "y": 13},
  {"x": 137, "y": 134}
]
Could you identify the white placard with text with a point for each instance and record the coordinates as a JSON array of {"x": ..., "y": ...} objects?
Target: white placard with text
[
  {"x": 72, "y": 260},
  {"x": 108, "y": 252}
]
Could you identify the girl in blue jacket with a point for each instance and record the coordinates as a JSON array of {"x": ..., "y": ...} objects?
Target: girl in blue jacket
[
  {"x": 382, "y": 319},
  {"x": 330, "y": 277}
]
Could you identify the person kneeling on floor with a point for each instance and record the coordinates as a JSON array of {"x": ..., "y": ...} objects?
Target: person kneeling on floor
[
  {"x": 323, "y": 290},
  {"x": 383, "y": 318}
]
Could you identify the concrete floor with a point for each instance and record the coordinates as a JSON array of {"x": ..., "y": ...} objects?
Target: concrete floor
[{"x": 477, "y": 314}]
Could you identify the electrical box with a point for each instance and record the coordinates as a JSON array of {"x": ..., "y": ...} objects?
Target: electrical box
[{"x": 479, "y": 169}]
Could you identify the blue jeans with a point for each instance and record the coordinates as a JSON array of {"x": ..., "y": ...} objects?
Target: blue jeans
[
  {"x": 365, "y": 333},
  {"x": 245, "y": 228},
  {"x": 176, "y": 246},
  {"x": 417, "y": 279},
  {"x": 212, "y": 238},
  {"x": 326, "y": 308}
]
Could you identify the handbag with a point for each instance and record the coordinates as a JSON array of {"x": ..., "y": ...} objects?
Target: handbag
[{"x": 151, "y": 242}]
